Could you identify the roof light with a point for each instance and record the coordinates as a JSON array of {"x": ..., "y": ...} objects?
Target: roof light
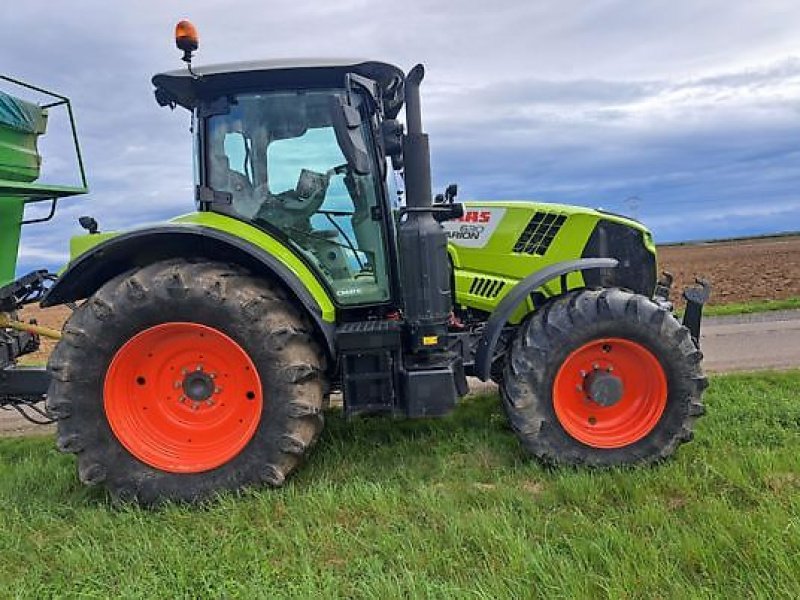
[{"x": 186, "y": 39}]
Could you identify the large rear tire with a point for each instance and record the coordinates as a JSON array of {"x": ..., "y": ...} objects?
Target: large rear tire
[
  {"x": 182, "y": 379},
  {"x": 603, "y": 378}
]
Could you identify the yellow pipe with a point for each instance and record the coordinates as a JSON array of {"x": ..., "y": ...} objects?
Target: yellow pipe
[{"x": 6, "y": 321}]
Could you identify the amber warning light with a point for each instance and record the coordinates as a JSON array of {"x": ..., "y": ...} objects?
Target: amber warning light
[{"x": 186, "y": 39}]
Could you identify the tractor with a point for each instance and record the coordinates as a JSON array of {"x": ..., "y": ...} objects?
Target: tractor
[{"x": 202, "y": 352}]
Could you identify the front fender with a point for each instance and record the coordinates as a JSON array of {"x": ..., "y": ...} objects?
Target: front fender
[
  {"x": 138, "y": 248},
  {"x": 502, "y": 313}
]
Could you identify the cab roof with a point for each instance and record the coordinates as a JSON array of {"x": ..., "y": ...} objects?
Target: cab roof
[{"x": 211, "y": 81}]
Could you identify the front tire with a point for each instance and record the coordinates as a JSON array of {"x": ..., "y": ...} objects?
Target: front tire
[
  {"x": 182, "y": 379},
  {"x": 603, "y": 378}
]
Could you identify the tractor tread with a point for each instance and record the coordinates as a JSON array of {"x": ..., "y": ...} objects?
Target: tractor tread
[
  {"x": 256, "y": 311},
  {"x": 537, "y": 352}
]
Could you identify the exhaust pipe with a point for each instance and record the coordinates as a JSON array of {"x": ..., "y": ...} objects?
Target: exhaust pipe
[
  {"x": 416, "y": 152},
  {"x": 425, "y": 267}
]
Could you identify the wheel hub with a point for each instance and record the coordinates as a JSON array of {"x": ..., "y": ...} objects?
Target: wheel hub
[
  {"x": 604, "y": 388},
  {"x": 198, "y": 385}
]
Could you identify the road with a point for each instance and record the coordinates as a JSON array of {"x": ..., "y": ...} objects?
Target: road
[{"x": 768, "y": 340}]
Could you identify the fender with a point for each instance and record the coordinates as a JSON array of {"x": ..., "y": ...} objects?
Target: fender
[
  {"x": 141, "y": 247},
  {"x": 506, "y": 307}
]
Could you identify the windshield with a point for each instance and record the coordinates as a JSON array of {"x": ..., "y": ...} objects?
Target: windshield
[{"x": 277, "y": 155}]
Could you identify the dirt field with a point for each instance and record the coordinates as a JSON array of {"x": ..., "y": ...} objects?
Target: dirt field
[{"x": 739, "y": 271}]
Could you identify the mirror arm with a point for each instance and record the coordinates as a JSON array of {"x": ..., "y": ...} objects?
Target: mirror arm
[{"x": 368, "y": 85}]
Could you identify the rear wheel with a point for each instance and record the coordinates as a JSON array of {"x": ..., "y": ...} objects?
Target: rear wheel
[
  {"x": 603, "y": 378},
  {"x": 182, "y": 379}
]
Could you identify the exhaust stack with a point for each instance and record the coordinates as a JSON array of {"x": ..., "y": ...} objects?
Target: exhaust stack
[{"x": 425, "y": 266}]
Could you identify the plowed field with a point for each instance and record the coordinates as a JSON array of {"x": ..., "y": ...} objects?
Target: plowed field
[{"x": 740, "y": 271}]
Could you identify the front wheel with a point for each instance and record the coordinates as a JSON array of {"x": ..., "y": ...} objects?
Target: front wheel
[
  {"x": 183, "y": 379},
  {"x": 603, "y": 378}
]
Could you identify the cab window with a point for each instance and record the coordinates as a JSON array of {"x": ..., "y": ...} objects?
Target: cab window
[{"x": 277, "y": 155}]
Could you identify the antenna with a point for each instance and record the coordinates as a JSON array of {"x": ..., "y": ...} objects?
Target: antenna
[{"x": 633, "y": 203}]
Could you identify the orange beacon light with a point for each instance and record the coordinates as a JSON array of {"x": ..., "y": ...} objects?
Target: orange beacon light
[{"x": 186, "y": 39}]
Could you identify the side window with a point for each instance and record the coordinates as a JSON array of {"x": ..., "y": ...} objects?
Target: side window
[
  {"x": 334, "y": 226},
  {"x": 277, "y": 156},
  {"x": 316, "y": 150},
  {"x": 236, "y": 152}
]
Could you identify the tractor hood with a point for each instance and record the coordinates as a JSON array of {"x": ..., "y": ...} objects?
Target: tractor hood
[{"x": 181, "y": 88}]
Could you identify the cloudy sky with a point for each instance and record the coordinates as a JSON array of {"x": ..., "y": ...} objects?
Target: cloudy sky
[{"x": 686, "y": 113}]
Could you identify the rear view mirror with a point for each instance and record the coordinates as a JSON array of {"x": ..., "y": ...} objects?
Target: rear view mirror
[
  {"x": 392, "y": 134},
  {"x": 347, "y": 126}
]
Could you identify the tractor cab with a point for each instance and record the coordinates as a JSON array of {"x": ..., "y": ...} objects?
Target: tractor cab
[{"x": 296, "y": 149}]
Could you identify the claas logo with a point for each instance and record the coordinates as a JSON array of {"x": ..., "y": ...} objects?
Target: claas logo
[{"x": 476, "y": 216}]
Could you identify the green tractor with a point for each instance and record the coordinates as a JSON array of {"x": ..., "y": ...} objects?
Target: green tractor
[{"x": 202, "y": 352}]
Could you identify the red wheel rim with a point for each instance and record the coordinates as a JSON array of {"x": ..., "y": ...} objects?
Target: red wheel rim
[
  {"x": 633, "y": 410},
  {"x": 183, "y": 397}
]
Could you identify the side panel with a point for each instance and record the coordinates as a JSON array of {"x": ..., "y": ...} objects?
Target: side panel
[
  {"x": 11, "y": 210},
  {"x": 498, "y": 244},
  {"x": 486, "y": 273}
]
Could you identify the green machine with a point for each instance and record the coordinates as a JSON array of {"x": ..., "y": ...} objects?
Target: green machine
[
  {"x": 202, "y": 352},
  {"x": 21, "y": 125}
]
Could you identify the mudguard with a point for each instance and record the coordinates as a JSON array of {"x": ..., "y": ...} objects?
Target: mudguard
[
  {"x": 506, "y": 307},
  {"x": 141, "y": 247}
]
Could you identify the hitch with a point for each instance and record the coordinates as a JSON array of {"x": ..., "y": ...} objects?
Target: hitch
[
  {"x": 23, "y": 388},
  {"x": 696, "y": 296},
  {"x": 27, "y": 289}
]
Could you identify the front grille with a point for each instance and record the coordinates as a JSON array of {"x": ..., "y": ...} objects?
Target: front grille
[
  {"x": 486, "y": 287},
  {"x": 539, "y": 233}
]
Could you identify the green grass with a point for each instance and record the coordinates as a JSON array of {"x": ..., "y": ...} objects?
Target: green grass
[
  {"x": 433, "y": 509},
  {"x": 755, "y": 306}
]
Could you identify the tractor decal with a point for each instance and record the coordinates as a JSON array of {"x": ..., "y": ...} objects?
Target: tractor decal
[{"x": 474, "y": 229}]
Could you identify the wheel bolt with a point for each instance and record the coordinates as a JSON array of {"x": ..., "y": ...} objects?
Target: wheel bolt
[
  {"x": 579, "y": 387},
  {"x": 217, "y": 390},
  {"x": 182, "y": 399},
  {"x": 177, "y": 384},
  {"x": 210, "y": 402},
  {"x": 595, "y": 366}
]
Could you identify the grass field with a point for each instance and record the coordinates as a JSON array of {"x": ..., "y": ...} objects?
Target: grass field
[
  {"x": 747, "y": 308},
  {"x": 756, "y": 306},
  {"x": 447, "y": 508}
]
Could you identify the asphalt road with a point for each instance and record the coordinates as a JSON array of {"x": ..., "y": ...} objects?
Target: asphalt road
[{"x": 768, "y": 340}]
